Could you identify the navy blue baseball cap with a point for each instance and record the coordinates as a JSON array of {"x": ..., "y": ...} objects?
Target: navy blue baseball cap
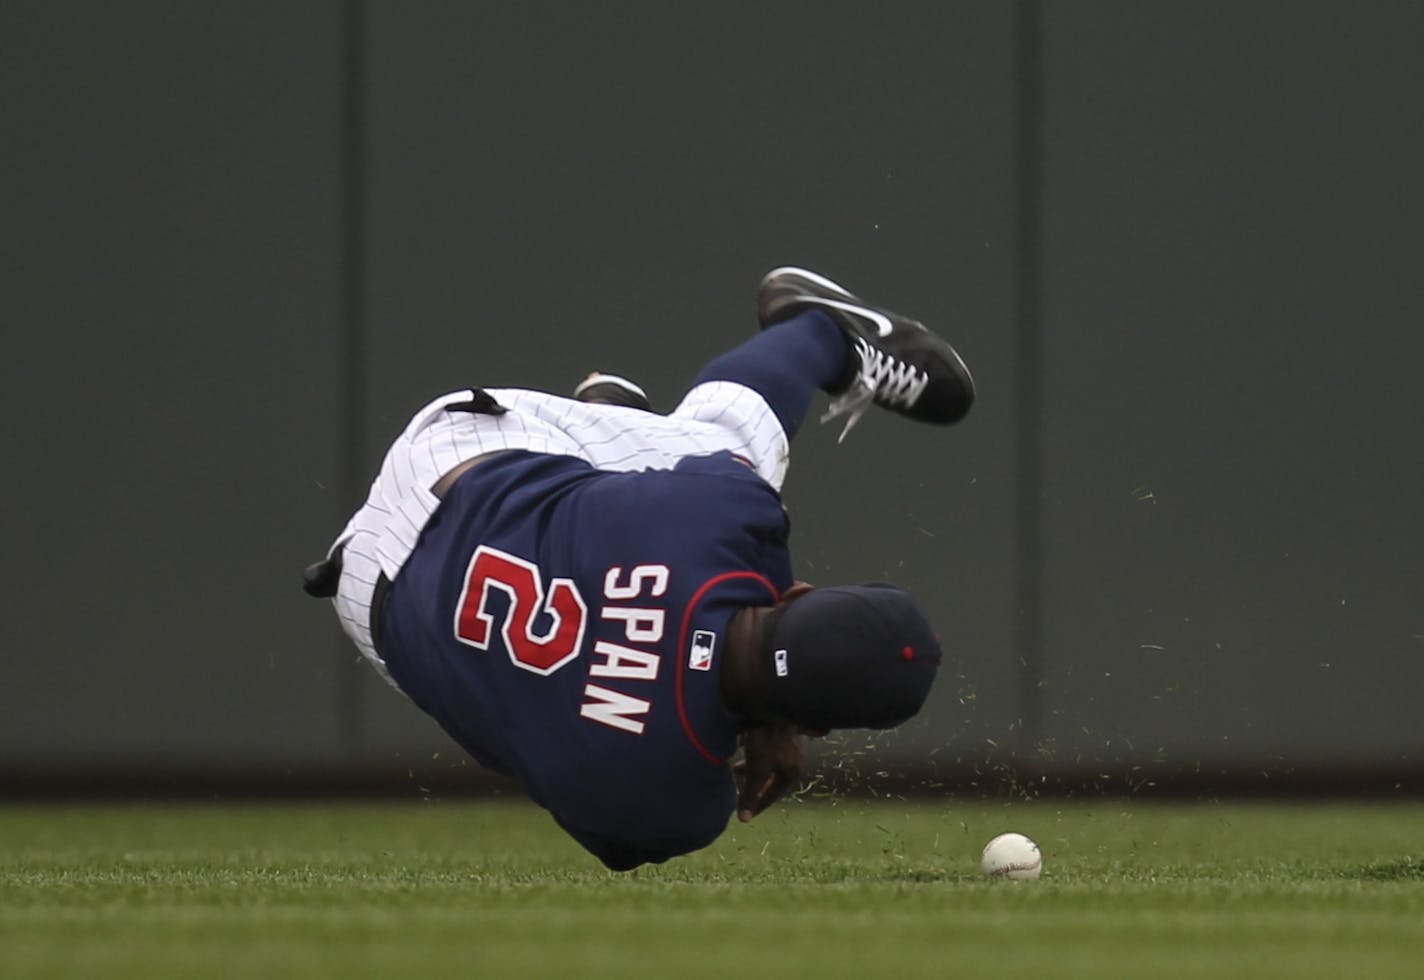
[{"x": 852, "y": 656}]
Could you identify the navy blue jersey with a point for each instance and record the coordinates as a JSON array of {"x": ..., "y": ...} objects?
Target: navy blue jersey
[{"x": 566, "y": 626}]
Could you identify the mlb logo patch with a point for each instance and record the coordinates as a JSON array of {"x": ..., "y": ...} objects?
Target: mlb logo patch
[
  {"x": 782, "y": 669},
  {"x": 703, "y": 642}
]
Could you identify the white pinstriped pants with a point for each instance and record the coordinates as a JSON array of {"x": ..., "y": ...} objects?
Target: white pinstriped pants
[{"x": 713, "y": 417}]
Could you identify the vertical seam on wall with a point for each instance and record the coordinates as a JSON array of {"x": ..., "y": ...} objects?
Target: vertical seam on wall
[
  {"x": 1029, "y": 552},
  {"x": 351, "y": 363}
]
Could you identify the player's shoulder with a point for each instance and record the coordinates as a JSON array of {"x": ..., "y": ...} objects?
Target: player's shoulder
[
  {"x": 693, "y": 480},
  {"x": 722, "y": 464},
  {"x": 725, "y": 483},
  {"x": 726, "y": 476}
]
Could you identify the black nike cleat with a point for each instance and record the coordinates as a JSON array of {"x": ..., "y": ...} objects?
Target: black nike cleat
[
  {"x": 609, "y": 389},
  {"x": 903, "y": 365}
]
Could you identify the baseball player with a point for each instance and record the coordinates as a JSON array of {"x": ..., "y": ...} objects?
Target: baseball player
[{"x": 598, "y": 600}]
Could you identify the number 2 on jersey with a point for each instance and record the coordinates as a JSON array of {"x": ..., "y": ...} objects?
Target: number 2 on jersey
[{"x": 541, "y": 651}]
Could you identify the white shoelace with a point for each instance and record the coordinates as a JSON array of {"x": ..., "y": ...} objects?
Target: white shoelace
[{"x": 881, "y": 378}]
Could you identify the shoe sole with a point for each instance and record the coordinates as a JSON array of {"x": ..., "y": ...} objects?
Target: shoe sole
[
  {"x": 599, "y": 378},
  {"x": 797, "y": 287},
  {"x": 795, "y": 270},
  {"x": 611, "y": 389}
]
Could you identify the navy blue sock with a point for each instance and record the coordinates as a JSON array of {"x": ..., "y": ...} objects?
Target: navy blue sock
[{"x": 787, "y": 363}]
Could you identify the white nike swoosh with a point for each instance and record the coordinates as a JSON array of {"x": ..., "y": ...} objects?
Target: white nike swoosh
[{"x": 881, "y": 321}]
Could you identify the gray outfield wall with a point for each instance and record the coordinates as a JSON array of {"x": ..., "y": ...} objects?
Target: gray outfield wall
[{"x": 1178, "y": 243}]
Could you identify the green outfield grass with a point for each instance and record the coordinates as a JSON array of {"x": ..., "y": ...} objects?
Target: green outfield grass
[{"x": 852, "y": 889}]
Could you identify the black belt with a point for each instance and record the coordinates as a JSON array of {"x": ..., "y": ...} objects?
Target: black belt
[{"x": 380, "y": 595}]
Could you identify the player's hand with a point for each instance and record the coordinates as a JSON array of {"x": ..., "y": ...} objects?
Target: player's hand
[{"x": 773, "y": 762}]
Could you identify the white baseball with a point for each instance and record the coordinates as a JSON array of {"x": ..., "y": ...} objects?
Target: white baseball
[{"x": 1012, "y": 856}]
